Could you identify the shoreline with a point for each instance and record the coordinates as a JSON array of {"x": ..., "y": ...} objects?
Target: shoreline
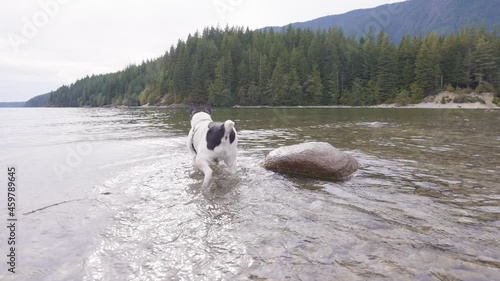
[
  {"x": 428, "y": 105},
  {"x": 469, "y": 106},
  {"x": 380, "y": 106},
  {"x": 431, "y": 102}
]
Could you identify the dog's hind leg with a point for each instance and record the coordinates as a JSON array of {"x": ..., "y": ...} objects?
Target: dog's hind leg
[
  {"x": 231, "y": 165},
  {"x": 196, "y": 169},
  {"x": 202, "y": 164}
]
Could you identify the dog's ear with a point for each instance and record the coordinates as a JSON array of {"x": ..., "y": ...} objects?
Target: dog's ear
[
  {"x": 208, "y": 109},
  {"x": 192, "y": 110}
]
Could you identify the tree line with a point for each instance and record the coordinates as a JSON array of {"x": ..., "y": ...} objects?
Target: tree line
[{"x": 237, "y": 66}]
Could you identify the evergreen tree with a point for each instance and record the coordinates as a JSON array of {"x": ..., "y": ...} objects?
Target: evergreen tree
[
  {"x": 386, "y": 68},
  {"x": 219, "y": 93},
  {"x": 279, "y": 84},
  {"x": 313, "y": 88},
  {"x": 254, "y": 95},
  {"x": 427, "y": 70},
  {"x": 484, "y": 61},
  {"x": 294, "y": 96},
  {"x": 406, "y": 56}
]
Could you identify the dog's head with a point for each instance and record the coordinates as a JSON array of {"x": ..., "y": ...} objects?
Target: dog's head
[
  {"x": 197, "y": 116},
  {"x": 208, "y": 109}
]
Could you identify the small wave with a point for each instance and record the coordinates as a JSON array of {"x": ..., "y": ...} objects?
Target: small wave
[{"x": 373, "y": 124}]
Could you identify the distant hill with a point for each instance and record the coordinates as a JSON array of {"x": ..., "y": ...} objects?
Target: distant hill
[
  {"x": 38, "y": 101},
  {"x": 12, "y": 104},
  {"x": 412, "y": 17}
]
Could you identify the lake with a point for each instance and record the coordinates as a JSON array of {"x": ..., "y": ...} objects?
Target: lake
[{"x": 123, "y": 202}]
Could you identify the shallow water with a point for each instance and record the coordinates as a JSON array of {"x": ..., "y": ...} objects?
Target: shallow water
[{"x": 424, "y": 206}]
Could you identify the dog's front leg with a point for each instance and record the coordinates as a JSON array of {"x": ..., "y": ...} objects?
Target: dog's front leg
[{"x": 202, "y": 164}]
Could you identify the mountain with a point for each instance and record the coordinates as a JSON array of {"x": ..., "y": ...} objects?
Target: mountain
[
  {"x": 38, "y": 101},
  {"x": 12, "y": 104},
  {"x": 412, "y": 17}
]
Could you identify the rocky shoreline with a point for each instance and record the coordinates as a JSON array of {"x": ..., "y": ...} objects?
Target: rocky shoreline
[{"x": 431, "y": 102}]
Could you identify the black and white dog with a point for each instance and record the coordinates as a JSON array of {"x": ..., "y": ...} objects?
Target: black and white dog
[{"x": 210, "y": 141}]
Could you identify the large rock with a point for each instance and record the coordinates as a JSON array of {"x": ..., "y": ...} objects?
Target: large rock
[{"x": 312, "y": 159}]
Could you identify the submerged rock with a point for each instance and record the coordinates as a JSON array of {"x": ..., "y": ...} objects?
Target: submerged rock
[{"x": 312, "y": 159}]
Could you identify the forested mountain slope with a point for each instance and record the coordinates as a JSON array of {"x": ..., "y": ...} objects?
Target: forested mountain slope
[
  {"x": 412, "y": 17},
  {"x": 297, "y": 67}
]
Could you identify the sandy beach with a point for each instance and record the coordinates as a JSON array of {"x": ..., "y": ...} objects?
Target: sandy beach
[{"x": 435, "y": 102}]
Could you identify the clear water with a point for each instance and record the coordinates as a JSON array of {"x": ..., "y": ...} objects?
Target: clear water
[{"x": 424, "y": 206}]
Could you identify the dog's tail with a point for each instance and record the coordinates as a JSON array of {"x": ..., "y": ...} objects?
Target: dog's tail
[
  {"x": 228, "y": 131},
  {"x": 228, "y": 127}
]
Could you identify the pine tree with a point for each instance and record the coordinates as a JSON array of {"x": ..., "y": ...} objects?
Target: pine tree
[
  {"x": 294, "y": 96},
  {"x": 406, "y": 56},
  {"x": 332, "y": 88},
  {"x": 279, "y": 83},
  {"x": 448, "y": 61},
  {"x": 298, "y": 61},
  {"x": 484, "y": 61},
  {"x": 386, "y": 68},
  {"x": 369, "y": 50},
  {"x": 313, "y": 88},
  {"x": 356, "y": 93},
  {"x": 243, "y": 97},
  {"x": 218, "y": 90},
  {"x": 427, "y": 70}
]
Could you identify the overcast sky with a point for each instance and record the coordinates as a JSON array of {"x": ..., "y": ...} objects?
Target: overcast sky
[{"x": 47, "y": 43}]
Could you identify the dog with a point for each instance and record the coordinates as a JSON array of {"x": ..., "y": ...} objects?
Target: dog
[{"x": 209, "y": 142}]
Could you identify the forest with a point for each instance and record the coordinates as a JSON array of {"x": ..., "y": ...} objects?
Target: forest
[{"x": 295, "y": 67}]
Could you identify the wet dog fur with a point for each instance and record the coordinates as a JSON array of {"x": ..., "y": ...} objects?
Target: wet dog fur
[{"x": 210, "y": 142}]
